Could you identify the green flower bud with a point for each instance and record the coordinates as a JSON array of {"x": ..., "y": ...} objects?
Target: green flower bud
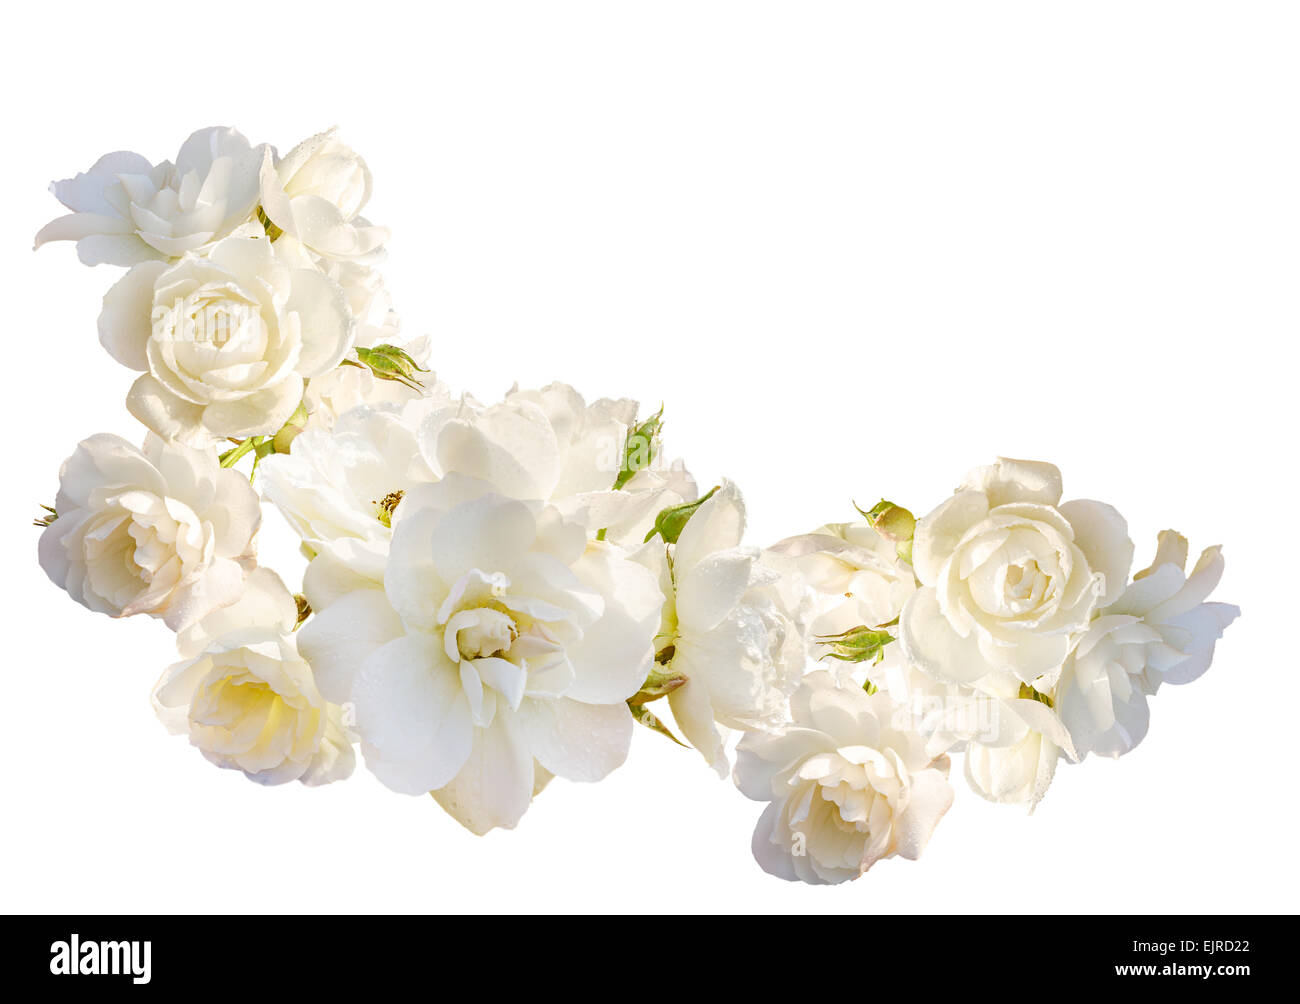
[
  {"x": 895, "y": 524},
  {"x": 388, "y": 362},
  {"x": 859, "y": 644},
  {"x": 671, "y": 521},
  {"x": 638, "y": 451}
]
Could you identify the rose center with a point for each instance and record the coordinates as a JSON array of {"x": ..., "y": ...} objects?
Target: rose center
[
  {"x": 483, "y": 632},
  {"x": 1025, "y": 585}
]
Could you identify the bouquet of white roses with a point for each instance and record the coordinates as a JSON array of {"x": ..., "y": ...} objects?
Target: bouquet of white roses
[{"x": 498, "y": 594}]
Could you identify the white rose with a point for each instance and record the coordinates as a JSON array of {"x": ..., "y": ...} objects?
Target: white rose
[
  {"x": 731, "y": 626},
  {"x": 846, "y": 787},
  {"x": 164, "y": 531},
  {"x": 551, "y": 445},
  {"x": 1159, "y": 631},
  {"x": 224, "y": 341},
  {"x": 333, "y": 485},
  {"x": 247, "y": 699},
  {"x": 857, "y": 580},
  {"x": 338, "y": 487},
  {"x": 511, "y": 444},
  {"x": 501, "y": 649},
  {"x": 316, "y": 194},
  {"x": 1009, "y": 731},
  {"x": 1009, "y": 575},
  {"x": 127, "y": 211}
]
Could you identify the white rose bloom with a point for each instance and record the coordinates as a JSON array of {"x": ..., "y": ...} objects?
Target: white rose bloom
[
  {"x": 1160, "y": 630},
  {"x": 525, "y": 450},
  {"x": 247, "y": 699},
  {"x": 591, "y": 441},
  {"x": 731, "y": 625},
  {"x": 162, "y": 531},
  {"x": 1011, "y": 736},
  {"x": 846, "y": 787},
  {"x": 337, "y": 488},
  {"x": 1010, "y": 575},
  {"x": 333, "y": 484},
  {"x": 225, "y": 342},
  {"x": 501, "y": 649},
  {"x": 316, "y": 194},
  {"x": 126, "y": 211},
  {"x": 857, "y": 579}
]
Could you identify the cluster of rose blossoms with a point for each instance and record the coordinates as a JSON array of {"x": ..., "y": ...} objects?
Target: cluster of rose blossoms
[{"x": 496, "y": 594}]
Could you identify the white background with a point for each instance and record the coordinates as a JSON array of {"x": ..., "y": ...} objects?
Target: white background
[{"x": 856, "y": 249}]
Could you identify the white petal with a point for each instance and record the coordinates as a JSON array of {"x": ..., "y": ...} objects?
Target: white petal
[
  {"x": 717, "y": 525},
  {"x": 327, "y": 330},
  {"x": 694, "y": 716},
  {"x": 929, "y": 642},
  {"x": 928, "y": 798},
  {"x": 495, "y": 786},
  {"x": 161, "y": 411},
  {"x": 412, "y": 715},
  {"x": 337, "y": 640},
  {"x": 1102, "y": 535},
  {"x": 1017, "y": 481},
  {"x": 938, "y": 533},
  {"x": 616, "y": 653},
  {"x": 580, "y": 742},
  {"x": 710, "y": 590},
  {"x": 126, "y": 320}
]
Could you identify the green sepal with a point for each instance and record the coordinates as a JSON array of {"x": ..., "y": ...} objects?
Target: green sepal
[
  {"x": 1028, "y": 693},
  {"x": 658, "y": 684},
  {"x": 283, "y": 439},
  {"x": 643, "y": 716},
  {"x": 671, "y": 521}
]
